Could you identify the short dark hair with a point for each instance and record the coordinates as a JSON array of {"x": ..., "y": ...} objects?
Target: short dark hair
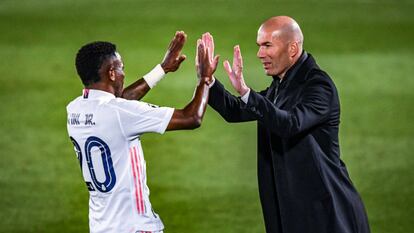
[{"x": 89, "y": 60}]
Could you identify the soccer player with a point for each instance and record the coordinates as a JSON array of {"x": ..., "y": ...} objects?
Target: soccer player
[{"x": 105, "y": 129}]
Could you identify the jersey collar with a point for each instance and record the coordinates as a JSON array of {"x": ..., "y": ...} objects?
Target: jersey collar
[{"x": 96, "y": 94}]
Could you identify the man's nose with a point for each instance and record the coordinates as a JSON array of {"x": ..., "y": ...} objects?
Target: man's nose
[{"x": 260, "y": 53}]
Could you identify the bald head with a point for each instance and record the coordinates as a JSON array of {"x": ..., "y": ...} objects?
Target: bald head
[
  {"x": 285, "y": 28},
  {"x": 280, "y": 42}
]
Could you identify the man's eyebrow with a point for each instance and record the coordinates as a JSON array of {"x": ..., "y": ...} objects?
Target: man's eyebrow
[{"x": 264, "y": 43}]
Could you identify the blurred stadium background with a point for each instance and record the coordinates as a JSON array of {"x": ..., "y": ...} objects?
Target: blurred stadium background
[{"x": 202, "y": 180}]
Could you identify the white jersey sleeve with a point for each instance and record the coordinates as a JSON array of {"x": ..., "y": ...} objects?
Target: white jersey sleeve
[{"x": 138, "y": 117}]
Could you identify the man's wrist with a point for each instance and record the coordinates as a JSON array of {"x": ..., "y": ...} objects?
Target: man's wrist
[
  {"x": 166, "y": 70},
  {"x": 154, "y": 76},
  {"x": 245, "y": 97},
  {"x": 212, "y": 82},
  {"x": 207, "y": 80},
  {"x": 244, "y": 91}
]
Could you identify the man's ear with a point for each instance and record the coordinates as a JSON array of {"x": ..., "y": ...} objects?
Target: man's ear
[
  {"x": 107, "y": 72},
  {"x": 111, "y": 73},
  {"x": 293, "y": 49}
]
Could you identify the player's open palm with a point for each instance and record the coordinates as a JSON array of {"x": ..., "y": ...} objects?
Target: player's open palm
[
  {"x": 173, "y": 56},
  {"x": 235, "y": 73},
  {"x": 206, "y": 62}
]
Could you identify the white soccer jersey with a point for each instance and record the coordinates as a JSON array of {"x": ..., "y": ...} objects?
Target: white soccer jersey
[{"x": 106, "y": 131}]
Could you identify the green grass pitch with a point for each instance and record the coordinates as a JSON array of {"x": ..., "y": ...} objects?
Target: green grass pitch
[{"x": 202, "y": 180}]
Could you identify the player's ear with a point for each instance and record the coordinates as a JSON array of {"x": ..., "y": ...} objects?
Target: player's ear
[{"x": 111, "y": 73}]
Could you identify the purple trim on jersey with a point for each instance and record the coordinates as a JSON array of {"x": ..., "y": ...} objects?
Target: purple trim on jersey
[{"x": 85, "y": 93}]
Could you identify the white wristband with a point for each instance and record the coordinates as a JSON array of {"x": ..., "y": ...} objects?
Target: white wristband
[{"x": 154, "y": 76}]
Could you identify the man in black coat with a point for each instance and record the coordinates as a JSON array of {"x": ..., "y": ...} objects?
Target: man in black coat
[{"x": 303, "y": 184}]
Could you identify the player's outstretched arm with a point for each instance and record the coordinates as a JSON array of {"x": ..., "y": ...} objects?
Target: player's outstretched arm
[
  {"x": 136, "y": 91},
  {"x": 171, "y": 62},
  {"x": 190, "y": 116}
]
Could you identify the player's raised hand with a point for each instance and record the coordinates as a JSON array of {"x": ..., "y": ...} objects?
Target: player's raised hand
[
  {"x": 235, "y": 73},
  {"x": 173, "y": 56},
  {"x": 206, "y": 62}
]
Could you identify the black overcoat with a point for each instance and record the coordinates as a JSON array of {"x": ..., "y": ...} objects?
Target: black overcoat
[{"x": 303, "y": 184}]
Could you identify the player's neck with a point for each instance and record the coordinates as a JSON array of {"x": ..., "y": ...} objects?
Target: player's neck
[{"x": 102, "y": 87}]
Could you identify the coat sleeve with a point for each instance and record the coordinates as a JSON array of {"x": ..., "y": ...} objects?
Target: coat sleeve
[
  {"x": 312, "y": 108},
  {"x": 230, "y": 107}
]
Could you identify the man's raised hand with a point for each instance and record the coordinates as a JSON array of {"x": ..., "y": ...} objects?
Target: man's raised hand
[
  {"x": 173, "y": 57},
  {"x": 235, "y": 73},
  {"x": 206, "y": 62},
  {"x": 208, "y": 40}
]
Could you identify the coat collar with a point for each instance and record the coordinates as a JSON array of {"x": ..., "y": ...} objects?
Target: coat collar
[
  {"x": 297, "y": 77},
  {"x": 301, "y": 75},
  {"x": 290, "y": 74},
  {"x": 294, "y": 69}
]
